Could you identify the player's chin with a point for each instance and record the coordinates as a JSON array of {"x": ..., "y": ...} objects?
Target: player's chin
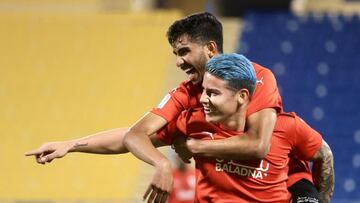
[
  {"x": 211, "y": 119},
  {"x": 195, "y": 78}
]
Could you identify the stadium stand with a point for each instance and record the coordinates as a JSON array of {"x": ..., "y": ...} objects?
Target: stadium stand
[
  {"x": 315, "y": 59},
  {"x": 66, "y": 75}
]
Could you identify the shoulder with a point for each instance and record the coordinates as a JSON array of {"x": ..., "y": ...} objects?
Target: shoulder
[
  {"x": 262, "y": 72},
  {"x": 181, "y": 90},
  {"x": 286, "y": 121},
  {"x": 264, "y": 75},
  {"x": 290, "y": 122},
  {"x": 189, "y": 87},
  {"x": 261, "y": 69}
]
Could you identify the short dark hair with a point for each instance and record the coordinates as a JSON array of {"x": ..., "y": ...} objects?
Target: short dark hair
[
  {"x": 236, "y": 69},
  {"x": 201, "y": 27}
]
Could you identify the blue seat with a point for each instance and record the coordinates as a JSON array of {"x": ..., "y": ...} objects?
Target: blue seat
[{"x": 322, "y": 52}]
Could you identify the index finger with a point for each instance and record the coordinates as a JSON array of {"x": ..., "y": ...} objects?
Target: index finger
[
  {"x": 34, "y": 152},
  {"x": 147, "y": 192}
]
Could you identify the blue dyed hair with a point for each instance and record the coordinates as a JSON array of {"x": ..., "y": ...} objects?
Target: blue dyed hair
[{"x": 236, "y": 69}]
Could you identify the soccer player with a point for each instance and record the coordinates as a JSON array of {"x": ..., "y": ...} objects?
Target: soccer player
[{"x": 228, "y": 85}]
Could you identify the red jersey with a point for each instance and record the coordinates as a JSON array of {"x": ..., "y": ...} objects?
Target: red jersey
[
  {"x": 298, "y": 169},
  {"x": 220, "y": 180},
  {"x": 187, "y": 95},
  {"x": 184, "y": 187}
]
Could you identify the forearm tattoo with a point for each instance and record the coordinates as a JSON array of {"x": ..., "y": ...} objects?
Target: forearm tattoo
[
  {"x": 323, "y": 173},
  {"x": 79, "y": 144}
]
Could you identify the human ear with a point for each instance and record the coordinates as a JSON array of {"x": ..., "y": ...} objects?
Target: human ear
[
  {"x": 212, "y": 48},
  {"x": 243, "y": 96}
]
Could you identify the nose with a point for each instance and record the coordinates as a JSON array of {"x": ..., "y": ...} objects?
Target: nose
[
  {"x": 204, "y": 98},
  {"x": 179, "y": 61}
]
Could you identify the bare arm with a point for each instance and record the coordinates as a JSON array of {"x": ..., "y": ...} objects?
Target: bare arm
[
  {"x": 254, "y": 144},
  {"x": 106, "y": 142},
  {"x": 323, "y": 172},
  {"x": 137, "y": 141}
]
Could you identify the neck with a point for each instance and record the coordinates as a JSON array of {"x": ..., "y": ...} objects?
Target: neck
[{"x": 236, "y": 121}]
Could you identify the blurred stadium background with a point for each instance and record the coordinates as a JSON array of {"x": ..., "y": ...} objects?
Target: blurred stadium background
[{"x": 69, "y": 68}]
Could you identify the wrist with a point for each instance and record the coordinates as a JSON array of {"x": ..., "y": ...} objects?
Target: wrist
[
  {"x": 194, "y": 146},
  {"x": 76, "y": 145},
  {"x": 163, "y": 163},
  {"x": 71, "y": 145}
]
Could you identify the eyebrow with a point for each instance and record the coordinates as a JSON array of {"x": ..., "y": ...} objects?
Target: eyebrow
[
  {"x": 182, "y": 49},
  {"x": 212, "y": 90}
]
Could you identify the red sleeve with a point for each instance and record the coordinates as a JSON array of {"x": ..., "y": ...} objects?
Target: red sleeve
[
  {"x": 172, "y": 104},
  {"x": 307, "y": 141},
  {"x": 168, "y": 133},
  {"x": 266, "y": 93},
  {"x": 174, "y": 128},
  {"x": 185, "y": 96}
]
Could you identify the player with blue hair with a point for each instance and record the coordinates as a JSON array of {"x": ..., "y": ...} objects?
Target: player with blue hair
[{"x": 229, "y": 82}]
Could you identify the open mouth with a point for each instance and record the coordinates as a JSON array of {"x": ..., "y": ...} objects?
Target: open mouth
[
  {"x": 207, "y": 110},
  {"x": 189, "y": 71}
]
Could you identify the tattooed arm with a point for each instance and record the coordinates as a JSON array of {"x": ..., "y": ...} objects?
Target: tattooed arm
[
  {"x": 106, "y": 142},
  {"x": 323, "y": 172}
]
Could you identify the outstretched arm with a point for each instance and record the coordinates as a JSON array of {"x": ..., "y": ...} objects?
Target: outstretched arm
[
  {"x": 323, "y": 172},
  {"x": 106, "y": 142},
  {"x": 137, "y": 141},
  {"x": 254, "y": 144}
]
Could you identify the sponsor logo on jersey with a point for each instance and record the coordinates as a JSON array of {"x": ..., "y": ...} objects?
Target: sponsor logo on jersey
[
  {"x": 260, "y": 81},
  {"x": 230, "y": 166}
]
